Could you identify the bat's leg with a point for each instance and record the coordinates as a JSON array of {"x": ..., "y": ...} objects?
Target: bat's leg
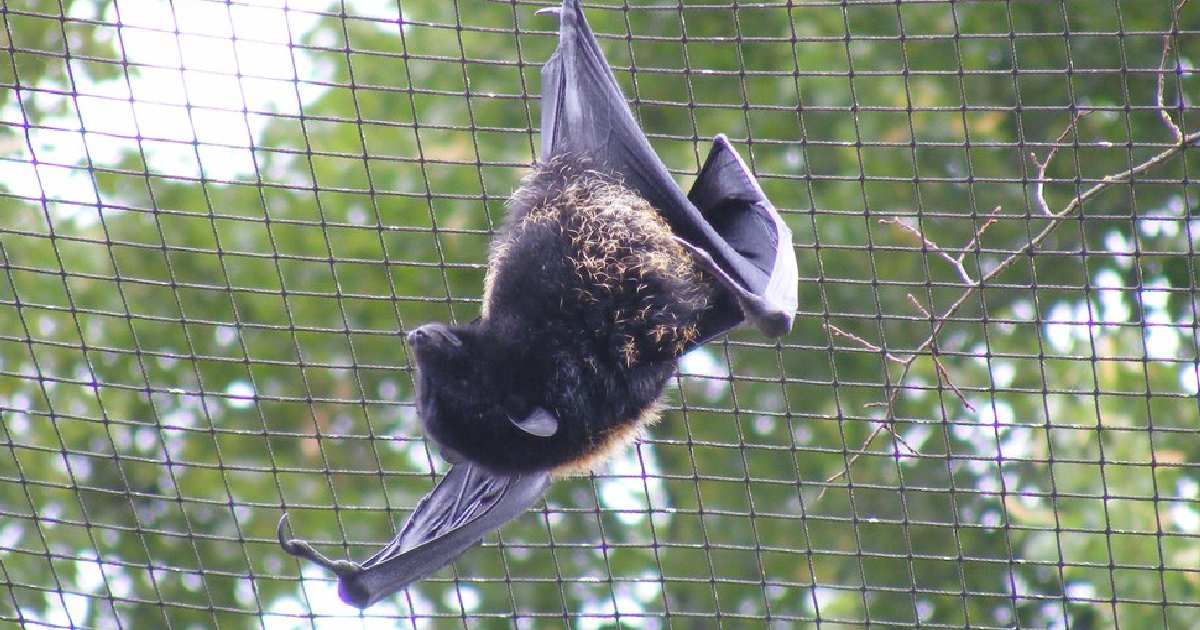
[{"x": 301, "y": 549}]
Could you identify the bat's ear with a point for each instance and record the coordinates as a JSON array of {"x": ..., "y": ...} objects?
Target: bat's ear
[
  {"x": 731, "y": 201},
  {"x": 467, "y": 504},
  {"x": 539, "y": 422}
]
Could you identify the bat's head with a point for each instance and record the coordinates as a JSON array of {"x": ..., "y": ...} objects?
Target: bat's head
[
  {"x": 466, "y": 389},
  {"x": 449, "y": 378},
  {"x": 479, "y": 398}
]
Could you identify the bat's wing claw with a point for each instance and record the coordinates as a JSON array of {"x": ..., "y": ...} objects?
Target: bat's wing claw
[
  {"x": 279, "y": 529},
  {"x": 555, "y": 11},
  {"x": 467, "y": 503},
  {"x": 301, "y": 549},
  {"x": 293, "y": 546}
]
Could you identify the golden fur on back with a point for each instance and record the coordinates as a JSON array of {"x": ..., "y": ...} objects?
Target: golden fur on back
[
  {"x": 614, "y": 236},
  {"x": 612, "y": 443}
]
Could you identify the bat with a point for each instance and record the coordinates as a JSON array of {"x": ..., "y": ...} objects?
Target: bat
[{"x": 602, "y": 276}]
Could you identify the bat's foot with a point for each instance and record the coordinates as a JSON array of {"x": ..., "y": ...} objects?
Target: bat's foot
[{"x": 301, "y": 549}]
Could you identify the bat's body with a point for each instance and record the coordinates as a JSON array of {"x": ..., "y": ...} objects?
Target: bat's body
[
  {"x": 604, "y": 274},
  {"x": 589, "y": 299}
]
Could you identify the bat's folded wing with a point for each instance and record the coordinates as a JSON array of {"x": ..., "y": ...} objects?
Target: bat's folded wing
[
  {"x": 731, "y": 201},
  {"x": 727, "y": 221},
  {"x": 467, "y": 504}
]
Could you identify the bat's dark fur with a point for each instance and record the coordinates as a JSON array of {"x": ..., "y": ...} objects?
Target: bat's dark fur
[{"x": 589, "y": 300}]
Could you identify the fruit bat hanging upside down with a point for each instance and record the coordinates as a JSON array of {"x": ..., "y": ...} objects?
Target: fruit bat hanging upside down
[{"x": 603, "y": 275}]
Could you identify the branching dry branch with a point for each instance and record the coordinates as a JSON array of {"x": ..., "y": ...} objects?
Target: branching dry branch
[
  {"x": 1180, "y": 141},
  {"x": 863, "y": 342},
  {"x": 955, "y": 261},
  {"x": 959, "y": 261},
  {"x": 975, "y": 240},
  {"x": 943, "y": 373},
  {"x": 1039, "y": 188},
  {"x": 1176, "y": 132}
]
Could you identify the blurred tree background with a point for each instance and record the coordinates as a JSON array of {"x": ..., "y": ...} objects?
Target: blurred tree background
[{"x": 218, "y": 219}]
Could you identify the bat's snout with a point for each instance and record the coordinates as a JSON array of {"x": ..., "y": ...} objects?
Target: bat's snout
[{"x": 432, "y": 335}]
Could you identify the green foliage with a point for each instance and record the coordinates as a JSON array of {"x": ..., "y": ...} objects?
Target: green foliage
[{"x": 202, "y": 308}]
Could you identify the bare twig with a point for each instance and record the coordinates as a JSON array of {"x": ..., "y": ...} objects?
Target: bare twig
[
  {"x": 1176, "y": 132},
  {"x": 864, "y": 343},
  {"x": 896, "y": 436},
  {"x": 917, "y": 305},
  {"x": 882, "y": 426},
  {"x": 945, "y": 377},
  {"x": 1182, "y": 140},
  {"x": 942, "y": 372},
  {"x": 879, "y": 428},
  {"x": 955, "y": 261},
  {"x": 1039, "y": 189},
  {"x": 975, "y": 240}
]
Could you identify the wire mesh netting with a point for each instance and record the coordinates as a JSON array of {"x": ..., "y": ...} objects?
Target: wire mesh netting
[{"x": 218, "y": 218}]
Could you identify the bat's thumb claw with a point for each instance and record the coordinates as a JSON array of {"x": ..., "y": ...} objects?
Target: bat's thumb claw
[
  {"x": 301, "y": 549},
  {"x": 295, "y": 546},
  {"x": 555, "y": 11},
  {"x": 279, "y": 530}
]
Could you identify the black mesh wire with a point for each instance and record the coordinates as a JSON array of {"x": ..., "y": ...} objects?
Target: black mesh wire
[{"x": 217, "y": 220}]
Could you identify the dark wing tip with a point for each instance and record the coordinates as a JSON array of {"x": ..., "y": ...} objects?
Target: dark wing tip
[
  {"x": 353, "y": 593},
  {"x": 466, "y": 505},
  {"x": 776, "y": 324},
  {"x": 729, "y": 195}
]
